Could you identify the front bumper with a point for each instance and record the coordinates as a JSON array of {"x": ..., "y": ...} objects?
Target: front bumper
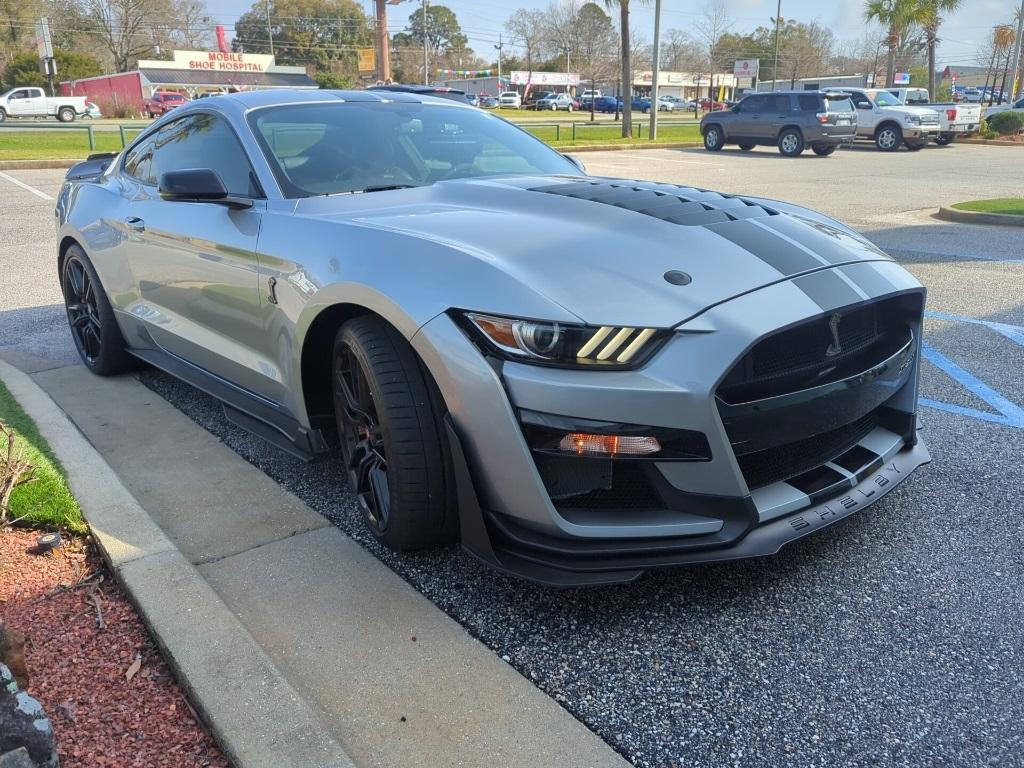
[{"x": 508, "y": 515}]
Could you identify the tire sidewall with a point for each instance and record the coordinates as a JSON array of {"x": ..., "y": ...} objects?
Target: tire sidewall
[
  {"x": 66, "y": 115},
  {"x": 897, "y": 137},
  {"x": 713, "y": 144},
  {"x": 799, "y": 145},
  {"x": 113, "y": 357}
]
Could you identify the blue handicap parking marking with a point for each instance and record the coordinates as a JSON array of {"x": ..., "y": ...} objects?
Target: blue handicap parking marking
[{"x": 1009, "y": 413}]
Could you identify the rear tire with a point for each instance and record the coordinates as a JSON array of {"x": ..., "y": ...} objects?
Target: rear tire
[
  {"x": 390, "y": 418},
  {"x": 66, "y": 115},
  {"x": 944, "y": 141},
  {"x": 823, "y": 150},
  {"x": 713, "y": 139},
  {"x": 914, "y": 146},
  {"x": 791, "y": 142},
  {"x": 3, "y": 115},
  {"x": 95, "y": 332},
  {"x": 888, "y": 137}
]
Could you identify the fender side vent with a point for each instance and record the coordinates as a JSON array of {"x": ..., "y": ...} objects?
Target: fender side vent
[{"x": 686, "y": 206}]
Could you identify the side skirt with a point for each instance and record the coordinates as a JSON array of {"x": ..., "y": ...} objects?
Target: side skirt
[{"x": 261, "y": 417}]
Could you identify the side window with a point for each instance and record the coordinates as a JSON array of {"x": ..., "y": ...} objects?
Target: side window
[
  {"x": 859, "y": 99},
  {"x": 204, "y": 141},
  {"x": 754, "y": 104},
  {"x": 19, "y": 95},
  {"x": 779, "y": 103},
  {"x": 807, "y": 102},
  {"x": 138, "y": 163}
]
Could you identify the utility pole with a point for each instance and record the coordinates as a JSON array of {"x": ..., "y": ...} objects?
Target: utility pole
[
  {"x": 778, "y": 21},
  {"x": 656, "y": 64},
  {"x": 426, "y": 38},
  {"x": 383, "y": 49},
  {"x": 499, "y": 46},
  {"x": 1016, "y": 53},
  {"x": 270, "y": 32}
]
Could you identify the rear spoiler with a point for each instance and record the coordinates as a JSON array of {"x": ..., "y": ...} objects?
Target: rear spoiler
[{"x": 92, "y": 168}]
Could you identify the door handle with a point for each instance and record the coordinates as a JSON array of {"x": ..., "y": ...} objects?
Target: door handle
[{"x": 135, "y": 224}]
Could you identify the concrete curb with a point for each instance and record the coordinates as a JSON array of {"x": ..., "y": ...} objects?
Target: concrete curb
[
  {"x": 256, "y": 716},
  {"x": 19, "y": 165},
  {"x": 613, "y": 147},
  {"x": 977, "y": 217},
  {"x": 993, "y": 142}
]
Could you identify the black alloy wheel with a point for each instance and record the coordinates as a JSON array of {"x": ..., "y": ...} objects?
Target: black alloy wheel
[
  {"x": 362, "y": 440},
  {"x": 80, "y": 299}
]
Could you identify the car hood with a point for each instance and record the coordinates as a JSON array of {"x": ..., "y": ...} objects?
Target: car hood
[{"x": 601, "y": 248}]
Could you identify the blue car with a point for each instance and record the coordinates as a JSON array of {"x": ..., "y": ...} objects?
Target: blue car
[{"x": 607, "y": 104}]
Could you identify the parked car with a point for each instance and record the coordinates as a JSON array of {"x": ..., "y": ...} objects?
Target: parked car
[
  {"x": 955, "y": 120},
  {"x": 889, "y": 122},
  {"x": 92, "y": 111},
  {"x": 33, "y": 102},
  {"x": 643, "y": 103},
  {"x": 440, "y": 91},
  {"x": 678, "y": 103},
  {"x": 1017, "y": 106},
  {"x": 473, "y": 99},
  {"x": 607, "y": 104},
  {"x": 754, "y": 380},
  {"x": 709, "y": 105},
  {"x": 162, "y": 102},
  {"x": 510, "y": 99},
  {"x": 556, "y": 101},
  {"x": 532, "y": 97},
  {"x": 789, "y": 120},
  {"x": 591, "y": 94},
  {"x": 487, "y": 101},
  {"x": 972, "y": 95}
]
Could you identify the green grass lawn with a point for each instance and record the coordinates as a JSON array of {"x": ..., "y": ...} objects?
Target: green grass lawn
[
  {"x": 1013, "y": 206},
  {"x": 55, "y": 145},
  {"x": 45, "y": 502},
  {"x": 611, "y": 133}
]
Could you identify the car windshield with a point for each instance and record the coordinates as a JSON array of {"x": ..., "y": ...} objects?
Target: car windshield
[
  {"x": 333, "y": 148},
  {"x": 885, "y": 99}
]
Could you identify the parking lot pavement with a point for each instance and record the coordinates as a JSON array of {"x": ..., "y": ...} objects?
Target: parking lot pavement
[{"x": 894, "y": 638}]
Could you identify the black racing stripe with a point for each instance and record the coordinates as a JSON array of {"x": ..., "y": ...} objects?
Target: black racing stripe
[
  {"x": 820, "y": 483},
  {"x": 869, "y": 279},
  {"x": 821, "y": 241},
  {"x": 771, "y": 249},
  {"x": 855, "y": 459},
  {"x": 827, "y": 290}
]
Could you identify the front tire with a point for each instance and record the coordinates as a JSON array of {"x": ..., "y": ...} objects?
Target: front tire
[
  {"x": 390, "y": 419},
  {"x": 944, "y": 141},
  {"x": 3, "y": 115},
  {"x": 889, "y": 137},
  {"x": 791, "y": 142},
  {"x": 713, "y": 139},
  {"x": 95, "y": 332}
]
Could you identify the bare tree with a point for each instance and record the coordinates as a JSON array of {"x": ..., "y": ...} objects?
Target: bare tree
[
  {"x": 526, "y": 28},
  {"x": 715, "y": 23}
]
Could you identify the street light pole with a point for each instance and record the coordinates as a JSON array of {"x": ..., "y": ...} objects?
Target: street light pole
[
  {"x": 1016, "y": 53},
  {"x": 778, "y": 21},
  {"x": 499, "y": 46},
  {"x": 655, "y": 74},
  {"x": 426, "y": 37}
]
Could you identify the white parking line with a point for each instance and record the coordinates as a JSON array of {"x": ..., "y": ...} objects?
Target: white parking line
[{"x": 26, "y": 187}]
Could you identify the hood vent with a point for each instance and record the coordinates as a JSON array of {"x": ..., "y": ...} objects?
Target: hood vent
[{"x": 687, "y": 206}]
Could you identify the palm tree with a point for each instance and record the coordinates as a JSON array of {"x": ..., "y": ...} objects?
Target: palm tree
[
  {"x": 627, "y": 66},
  {"x": 930, "y": 13},
  {"x": 896, "y": 16}
]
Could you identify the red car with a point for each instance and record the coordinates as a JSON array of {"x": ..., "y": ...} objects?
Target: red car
[
  {"x": 162, "y": 102},
  {"x": 712, "y": 106}
]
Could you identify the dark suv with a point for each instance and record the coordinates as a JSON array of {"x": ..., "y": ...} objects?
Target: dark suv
[{"x": 790, "y": 120}]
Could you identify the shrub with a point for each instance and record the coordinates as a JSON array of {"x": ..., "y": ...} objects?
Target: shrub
[{"x": 1007, "y": 123}]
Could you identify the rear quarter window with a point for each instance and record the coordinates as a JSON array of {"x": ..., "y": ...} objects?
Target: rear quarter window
[
  {"x": 808, "y": 103},
  {"x": 838, "y": 104}
]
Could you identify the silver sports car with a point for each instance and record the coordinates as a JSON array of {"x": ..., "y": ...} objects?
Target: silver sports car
[{"x": 580, "y": 378}]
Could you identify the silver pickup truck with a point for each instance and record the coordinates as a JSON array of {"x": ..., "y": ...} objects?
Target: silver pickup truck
[{"x": 955, "y": 120}]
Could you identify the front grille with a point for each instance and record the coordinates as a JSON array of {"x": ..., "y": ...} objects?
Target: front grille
[
  {"x": 786, "y": 461},
  {"x": 805, "y": 355}
]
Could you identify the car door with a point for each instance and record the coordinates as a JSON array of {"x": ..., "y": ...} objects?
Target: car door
[
  {"x": 22, "y": 103},
  {"x": 778, "y": 114},
  {"x": 750, "y": 122},
  {"x": 866, "y": 118},
  {"x": 194, "y": 263}
]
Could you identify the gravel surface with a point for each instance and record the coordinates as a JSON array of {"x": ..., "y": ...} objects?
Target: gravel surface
[{"x": 78, "y": 671}]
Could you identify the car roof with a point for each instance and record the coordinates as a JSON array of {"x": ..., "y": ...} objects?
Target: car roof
[{"x": 268, "y": 98}]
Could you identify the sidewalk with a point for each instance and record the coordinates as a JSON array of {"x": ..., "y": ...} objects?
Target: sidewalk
[{"x": 297, "y": 645}]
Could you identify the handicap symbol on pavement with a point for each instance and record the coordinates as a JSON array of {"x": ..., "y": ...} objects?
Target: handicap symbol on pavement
[{"x": 1009, "y": 413}]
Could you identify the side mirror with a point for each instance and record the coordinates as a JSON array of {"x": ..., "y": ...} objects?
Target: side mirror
[
  {"x": 736, "y": 108},
  {"x": 864, "y": 105},
  {"x": 577, "y": 162},
  {"x": 198, "y": 185}
]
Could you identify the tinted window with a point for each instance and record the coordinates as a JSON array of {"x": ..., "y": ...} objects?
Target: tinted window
[
  {"x": 754, "y": 104},
  {"x": 779, "y": 103},
  {"x": 838, "y": 104},
  {"x": 196, "y": 141},
  {"x": 346, "y": 147},
  {"x": 860, "y": 98},
  {"x": 808, "y": 102}
]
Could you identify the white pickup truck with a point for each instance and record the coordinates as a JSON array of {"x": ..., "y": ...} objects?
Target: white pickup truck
[
  {"x": 889, "y": 122},
  {"x": 955, "y": 120},
  {"x": 33, "y": 102}
]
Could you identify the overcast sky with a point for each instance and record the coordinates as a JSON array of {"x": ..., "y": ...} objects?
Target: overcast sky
[{"x": 482, "y": 20}]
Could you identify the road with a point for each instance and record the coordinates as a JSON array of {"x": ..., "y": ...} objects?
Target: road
[{"x": 894, "y": 638}]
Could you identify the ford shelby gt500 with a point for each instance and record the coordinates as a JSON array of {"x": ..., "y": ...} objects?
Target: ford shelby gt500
[{"x": 580, "y": 378}]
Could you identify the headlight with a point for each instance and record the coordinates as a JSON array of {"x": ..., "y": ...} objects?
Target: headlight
[{"x": 560, "y": 344}]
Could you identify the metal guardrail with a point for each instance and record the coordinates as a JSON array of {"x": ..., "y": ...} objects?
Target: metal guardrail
[
  {"x": 90, "y": 130},
  {"x": 638, "y": 127}
]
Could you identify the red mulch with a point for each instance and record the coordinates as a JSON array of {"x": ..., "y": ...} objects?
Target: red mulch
[{"x": 78, "y": 670}]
